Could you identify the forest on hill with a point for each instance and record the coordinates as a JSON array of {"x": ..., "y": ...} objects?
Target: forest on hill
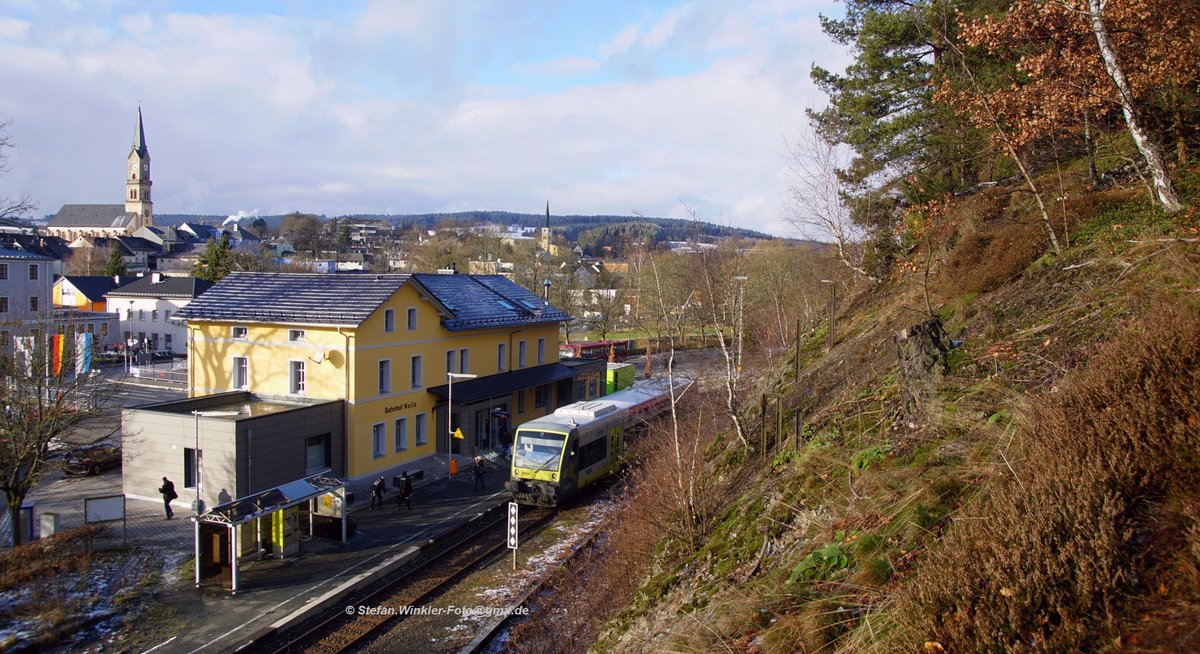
[
  {"x": 988, "y": 444},
  {"x": 569, "y": 226}
]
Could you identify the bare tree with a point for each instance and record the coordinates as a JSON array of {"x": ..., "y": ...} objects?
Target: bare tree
[
  {"x": 683, "y": 456},
  {"x": 88, "y": 260},
  {"x": 43, "y": 398},
  {"x": 11, "y": 207},
  {"x": 818, "y": 200}
]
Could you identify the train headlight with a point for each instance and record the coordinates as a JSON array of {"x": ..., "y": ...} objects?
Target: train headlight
[{"x": 554, "y": 477}]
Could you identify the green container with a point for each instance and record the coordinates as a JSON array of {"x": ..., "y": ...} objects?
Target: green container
[{"x": 620, "y": 377}]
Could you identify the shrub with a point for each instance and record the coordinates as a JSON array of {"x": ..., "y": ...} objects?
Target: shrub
[
  {"x": 821, "y": 564},
  {"x": 1056, "y": 546},
  {"x": 985, "y": 259}
]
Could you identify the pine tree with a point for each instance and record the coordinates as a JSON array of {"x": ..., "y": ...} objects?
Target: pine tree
[
  {"x": 216, "y": 261},
  {"x": 116, "y": 263}
]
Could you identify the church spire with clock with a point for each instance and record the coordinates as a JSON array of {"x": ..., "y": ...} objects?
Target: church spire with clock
[{"x": 137, "y": 184}]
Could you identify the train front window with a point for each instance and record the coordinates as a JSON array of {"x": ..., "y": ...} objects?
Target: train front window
[{"x": 538, "y": 450}]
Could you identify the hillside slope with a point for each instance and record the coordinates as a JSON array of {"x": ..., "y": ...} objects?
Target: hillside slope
[{"x": 1037, "y": 489}]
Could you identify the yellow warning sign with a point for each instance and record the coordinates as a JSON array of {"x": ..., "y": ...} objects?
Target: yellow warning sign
[{"x": 458, "y": 433}]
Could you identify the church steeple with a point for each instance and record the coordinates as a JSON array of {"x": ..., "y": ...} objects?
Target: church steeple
[
  {"x": 139, "y": 137},
  {"x": 544, "y": 233},
  {"x": 137, "y": 184}
]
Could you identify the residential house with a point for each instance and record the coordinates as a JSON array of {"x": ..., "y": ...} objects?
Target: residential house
[
  {"x": 87, "y": 292},
  {"x": 25, "y": 283},
  {"x": 146, "y": 309}
]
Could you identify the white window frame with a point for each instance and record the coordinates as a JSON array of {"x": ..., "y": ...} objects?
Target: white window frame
[
  {"x": 401, "y": 433},
  {"x": 541, "y": 352},
  {"x": 464, "y": 360},
  {"x": 378, "y": 431},
  {"x": 296, "y": 381},
  {"x": 295, "y": 335},
  {"x": 239, "y": 332},
  {"x": 501, "y": 358},
  {"x": 240, "y": 365},
  {"x": 412, "y": 319},
  {"x": 521, "y": 353},
  {"x": 389, "y": 320},
  {"x": 451, "y": 361},
  {"x": 385, "y": 376},
  {"x": 420, "y": 429},
  {"x": 34, "y": 272}
]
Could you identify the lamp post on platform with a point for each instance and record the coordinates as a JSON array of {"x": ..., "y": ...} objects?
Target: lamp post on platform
[{"x": 451, "y": 376}]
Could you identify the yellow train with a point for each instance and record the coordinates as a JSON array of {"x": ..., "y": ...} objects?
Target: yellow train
[{"x": 579, "y": 444}]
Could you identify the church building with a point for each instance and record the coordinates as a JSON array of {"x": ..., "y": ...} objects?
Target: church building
[{"x": 74, "y": 221}]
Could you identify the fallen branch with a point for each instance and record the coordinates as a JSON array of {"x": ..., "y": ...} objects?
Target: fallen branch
[{"x": 1139, "y": 262}]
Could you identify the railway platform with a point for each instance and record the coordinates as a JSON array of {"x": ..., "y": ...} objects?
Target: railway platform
[{"x": 275, "y": 593}]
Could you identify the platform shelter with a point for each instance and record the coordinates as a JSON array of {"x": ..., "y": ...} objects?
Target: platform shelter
[{"x": 267, "y": 524}]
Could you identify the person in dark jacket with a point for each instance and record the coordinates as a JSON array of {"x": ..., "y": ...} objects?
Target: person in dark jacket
[
  {"x": 377, "y": 489},
  {"x": 405, "y": 496},
  {"x": 168, "y": 492},
  {"x": 479, "y": 470}
]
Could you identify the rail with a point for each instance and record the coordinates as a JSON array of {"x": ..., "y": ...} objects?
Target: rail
[{"x": 340, "y": 632}]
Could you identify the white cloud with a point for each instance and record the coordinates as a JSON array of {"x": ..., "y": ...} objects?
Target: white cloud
[
  {"x": 392, "y": 110},
  {"x": 567, "y": 66},
  {"x": 620, "y": 42},
  {"x": 11, "y": 28}
]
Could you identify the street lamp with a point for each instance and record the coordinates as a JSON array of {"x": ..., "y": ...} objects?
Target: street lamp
[
  {"x": 129, "y": 360},
  {"x": 740, "y": 279},
  {"x": 451, "y": 376},
  {"x": 198, "y": 506},
  {"x": 832, "y": 302}
]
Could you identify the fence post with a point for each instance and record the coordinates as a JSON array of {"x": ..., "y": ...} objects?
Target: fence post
[
  {"x": 778, "y": 420},
  {"x": 764, "y": 427},
  {"x": 797, "y": 349}
]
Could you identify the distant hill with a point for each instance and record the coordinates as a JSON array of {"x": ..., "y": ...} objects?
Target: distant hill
[{"x": 672, "y": 229}]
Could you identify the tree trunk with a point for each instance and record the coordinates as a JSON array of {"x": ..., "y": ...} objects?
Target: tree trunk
[
  {"x": 920, "y": 349},
  {"x": 1163, "y": 187},
  {"x": 14, "y": 516}
]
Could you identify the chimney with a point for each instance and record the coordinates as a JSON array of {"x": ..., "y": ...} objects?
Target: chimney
[
  {"x": 116, "y": 279},
  {"x": 156, "y": 278}
]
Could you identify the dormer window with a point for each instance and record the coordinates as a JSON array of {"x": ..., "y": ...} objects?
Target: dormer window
[{"x": 240, "y": 333}]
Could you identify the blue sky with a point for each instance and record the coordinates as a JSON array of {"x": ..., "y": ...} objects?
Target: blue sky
[{"x": 414, "y": 107}]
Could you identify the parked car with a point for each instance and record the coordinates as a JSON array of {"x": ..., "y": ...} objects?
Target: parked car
[
  {"x": 162, "y": 355},
  {"x": 92, "y": 460}
]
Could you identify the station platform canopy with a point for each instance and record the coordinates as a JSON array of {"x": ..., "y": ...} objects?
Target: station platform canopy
[{"x": 245, "y": 509}]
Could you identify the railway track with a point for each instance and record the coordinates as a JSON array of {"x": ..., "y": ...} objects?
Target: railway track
[
  {"x": 483, "y": 640},
  {"x": 369, "y": 614}
]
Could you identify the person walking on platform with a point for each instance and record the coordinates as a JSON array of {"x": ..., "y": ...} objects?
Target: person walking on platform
[
  {"x": 168, "y": 492},
  {"x": 405, "y": 496},
  {"x": 377, "y": 489},
  {"x": 479, "y": 474}
]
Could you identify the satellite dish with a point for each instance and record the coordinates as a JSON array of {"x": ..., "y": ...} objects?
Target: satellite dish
[{"x": 320, "y": 354}]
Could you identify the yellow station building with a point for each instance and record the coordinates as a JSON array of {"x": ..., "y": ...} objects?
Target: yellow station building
[{"x": 387, "y": 347}]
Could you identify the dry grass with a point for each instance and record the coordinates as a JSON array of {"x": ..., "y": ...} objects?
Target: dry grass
[
  {"x": 1052, "y": 553},
  {"x": 64, "y": 553},
  {"x": 988, "y": 257}
]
